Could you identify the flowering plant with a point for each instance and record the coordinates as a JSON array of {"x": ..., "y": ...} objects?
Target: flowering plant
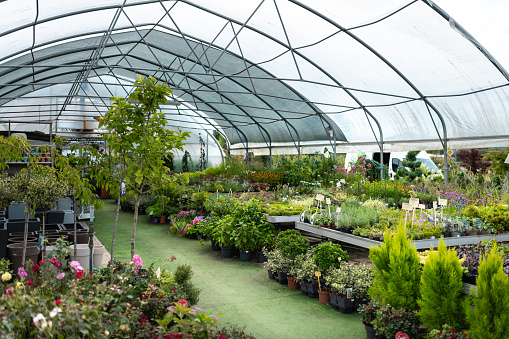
[
  {"x": 447, "y": 332},
  {"x": 389, "y": 321}
]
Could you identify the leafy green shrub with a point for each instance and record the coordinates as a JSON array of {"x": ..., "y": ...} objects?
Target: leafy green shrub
[
  {"x": 490, "y": 316},
  {"x": 397, "y": 271},
  {"x": 182, "y": 276},
  {"x": 328, "y": 255},
  {"x": 441, "y": 288},
  {"x": 291, "y": 243}
]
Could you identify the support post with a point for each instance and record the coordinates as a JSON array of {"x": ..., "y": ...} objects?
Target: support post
[{"x": 91, "y": 238}]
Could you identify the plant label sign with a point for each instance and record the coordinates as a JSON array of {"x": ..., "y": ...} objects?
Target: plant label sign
[
  {"x": 319, "y": 197},
  {"x": 422, "y": 206},
  {"x": 435, "y": 205},
  {"x": 327, "y": 201},
  {"x": 442, "y": 202},
  {"x": 338, "y": 209},
  {"x": 414, "y": 202},
  {"x": 343, "y": 181},
  {"x": 407, "y": 206},
  {"x": 318, "y": 274}
]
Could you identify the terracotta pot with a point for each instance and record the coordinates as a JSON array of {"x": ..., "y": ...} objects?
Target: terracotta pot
[
  {"x": 324, "y": 297},
  {"x": 180, "y": 233},
  {"x": 292, "y": 284},
  {"x": 162, "y": 219}
]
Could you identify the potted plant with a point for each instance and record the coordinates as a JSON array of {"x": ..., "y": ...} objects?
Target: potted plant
[
  {"x": 247, "y": 239},
  {"x": 303, "y": 271},
  {"x": 291, "y": 244},
  {"x": 224, "y": 235},
  {"x": 277, "y": 263},
  {"x": 155, "y": 212},
  {"x": 349, "y": 285},
  {"x": 368, "y": 312}
]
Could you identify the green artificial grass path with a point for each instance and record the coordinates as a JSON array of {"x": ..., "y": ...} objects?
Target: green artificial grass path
[{"x": 240, "y": 291}]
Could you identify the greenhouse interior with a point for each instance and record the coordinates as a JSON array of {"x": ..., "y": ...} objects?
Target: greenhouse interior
[{"x": 284, "y": 168}]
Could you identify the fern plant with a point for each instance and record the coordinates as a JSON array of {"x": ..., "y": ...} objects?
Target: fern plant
[
  {"x": 397, "y": 271},
  {"x": 440, "y": 289}
]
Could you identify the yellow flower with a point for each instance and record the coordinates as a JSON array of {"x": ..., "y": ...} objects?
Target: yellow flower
[
  {"x": 6, "y": 276},
  {"x": 19, "y": 284}
]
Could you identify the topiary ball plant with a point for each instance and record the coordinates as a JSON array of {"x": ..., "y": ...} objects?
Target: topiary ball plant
[{"x": 328, "y": 255}]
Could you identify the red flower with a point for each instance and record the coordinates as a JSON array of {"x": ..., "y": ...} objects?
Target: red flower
[
  {"x": 58, "y": 302},
  {"x": 29, "y": 282},
  {"x": 79, "y": 274},
  {"x": 453, "y": 336},
  {"x": 35, "y": 268},
  {"x": 41, "y": 261},
  {"x": 183, "y": 303},
  {"x": 465, "y": 335},
  {"x": 453, "y": 330}
]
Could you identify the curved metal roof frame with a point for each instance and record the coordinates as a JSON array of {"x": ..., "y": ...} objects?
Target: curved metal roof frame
[{"x": 263, "y": 75}]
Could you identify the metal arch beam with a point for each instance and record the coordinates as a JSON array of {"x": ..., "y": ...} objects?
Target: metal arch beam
[
  {"x": 298, "y": 94},
  {"x": 317, "y": 111},
  {"x": 239, "y": 132},
  {"x": 231, "y": 101},
  {"x": 397, "y": 71},
  {"x": 304, "y": 100},
  {"x": 469, "y": 37},
  {"x": 94, "y": 59}
]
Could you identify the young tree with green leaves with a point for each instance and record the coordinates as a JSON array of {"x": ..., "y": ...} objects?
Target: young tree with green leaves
[
  {"x": 397, "y": 271},
  {"x": 441, "y": 289},
  {"x": 139, "y": 139}
]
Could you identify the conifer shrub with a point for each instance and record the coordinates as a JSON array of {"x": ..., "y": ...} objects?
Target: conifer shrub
[
  {"x": 397, "y": 271},
  {"x": 490, "y": 316},
  {"x": 441, "y": 288}
]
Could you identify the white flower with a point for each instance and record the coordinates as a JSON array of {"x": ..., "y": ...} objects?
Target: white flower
[
  {"x": 55, "y": 311},
  {"x": 158, "y": 273},
  {"x": 39, "y": 320}
]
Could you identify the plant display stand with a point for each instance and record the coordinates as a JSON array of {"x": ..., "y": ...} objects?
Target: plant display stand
[
  {"x": 282, "y": 222},
  {"x": 419, "y": 244}
]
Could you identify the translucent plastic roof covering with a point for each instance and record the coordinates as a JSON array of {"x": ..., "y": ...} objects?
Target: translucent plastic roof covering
[{"x": 272, "y": 76}]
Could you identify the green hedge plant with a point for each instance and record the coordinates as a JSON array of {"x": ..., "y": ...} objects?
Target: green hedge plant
[
  {"x": 489, "y": 318},
  {"x": 397, "y": 271},
  {"x": 441, "y": 289}
]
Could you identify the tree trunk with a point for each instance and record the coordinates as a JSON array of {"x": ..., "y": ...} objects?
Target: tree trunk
[
  {"x": 115, "y": 229},
  {"x": 135, "y": 221},
  {"x": 74, "y": 207}
]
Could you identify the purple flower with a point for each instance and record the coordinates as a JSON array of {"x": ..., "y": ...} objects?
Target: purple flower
[{"x": 21, "y": 272}]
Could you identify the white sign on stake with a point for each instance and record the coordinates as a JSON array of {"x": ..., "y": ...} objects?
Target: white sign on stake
[
  {"x": 414, "y": 202},
  {"x": 442, "y": 202},
  {"x": 435, "y": 204},
  {"x": 319, "y": 197},
  {"x": 327, "y": 201}
]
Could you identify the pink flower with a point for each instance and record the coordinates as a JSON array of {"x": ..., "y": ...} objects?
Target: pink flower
[
  {"x": 136, "y": 257},
  {"x": 75, "y": 263},
  {"x": 183, "y": 302},
  {"x": 21, "y": 272},
  {"x": 58, "y": 302},
  {"x": 61, "y": 276},
  {"x": 9, "y": 290},
  {"x": 369, "y": 165}
]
